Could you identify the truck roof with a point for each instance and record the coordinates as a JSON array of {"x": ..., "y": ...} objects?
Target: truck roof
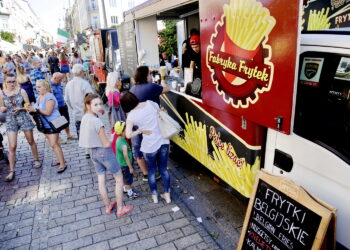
[{"x": 169, "y": 8}]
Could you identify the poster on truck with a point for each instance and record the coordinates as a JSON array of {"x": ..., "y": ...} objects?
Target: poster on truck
[
  {"x": 249, "y": 52},
  {"x": 326, "y": 14}
]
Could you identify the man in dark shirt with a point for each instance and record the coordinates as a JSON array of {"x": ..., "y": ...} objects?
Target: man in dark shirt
[{"x": 187, "y": 50}]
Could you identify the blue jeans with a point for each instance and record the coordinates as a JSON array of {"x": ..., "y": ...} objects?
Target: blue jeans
[
  {"x": 158, "y": 159},
  {"x": 104, "y": 160}
]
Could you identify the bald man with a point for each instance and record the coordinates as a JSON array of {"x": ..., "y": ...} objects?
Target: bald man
[{"x": 57, "y": 90}]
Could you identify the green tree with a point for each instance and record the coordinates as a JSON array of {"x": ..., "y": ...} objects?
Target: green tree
[
  {"x": 168, "y": 38},
  {"x": 7, "y": 36}
]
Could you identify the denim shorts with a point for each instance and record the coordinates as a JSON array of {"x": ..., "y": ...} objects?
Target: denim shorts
[
  {"x": 136, "y": 146},
  {"x": 128, "y": 177},
  {"x": 104, "y": 160}
]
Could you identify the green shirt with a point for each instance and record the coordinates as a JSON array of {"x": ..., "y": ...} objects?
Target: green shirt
[{"x": 118, "y": 149}]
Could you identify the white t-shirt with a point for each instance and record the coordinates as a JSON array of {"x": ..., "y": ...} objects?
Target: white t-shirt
[
  {"x": 146, "y": 119},
  {"x": 89, "y": 128},
  {"x": 75, "y": 92}
]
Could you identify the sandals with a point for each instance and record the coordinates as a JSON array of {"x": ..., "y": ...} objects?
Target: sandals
[
  {"x": 110, "y": 208},
  {"x": 166, "y": 197},
  {"x": 126, "y": 209},
  {"x": 10, "y": 176},
  {"x": 54, "y": 164},
  {"x": 61, "y": 169},
  {"x": 155, "y": 198},
  {"x": 37, "y": 164}
]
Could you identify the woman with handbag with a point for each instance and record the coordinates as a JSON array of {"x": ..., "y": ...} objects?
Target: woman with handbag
[
  {"x": 47, "y": 107},
  {"x": 11, "y": 102},
  {"x": 115, "y": 112},
  {"x": 145, "y": 90},
  {"x": 154, "y": 147}
]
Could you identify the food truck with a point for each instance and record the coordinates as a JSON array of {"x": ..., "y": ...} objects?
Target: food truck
[{"x": 274, "y": 91}]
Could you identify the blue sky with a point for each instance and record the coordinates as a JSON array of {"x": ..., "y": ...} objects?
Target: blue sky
[{"x": 49, "y": 12}]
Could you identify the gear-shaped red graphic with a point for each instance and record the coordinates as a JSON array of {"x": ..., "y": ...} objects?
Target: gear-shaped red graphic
[{"x": 247, "y": 92}]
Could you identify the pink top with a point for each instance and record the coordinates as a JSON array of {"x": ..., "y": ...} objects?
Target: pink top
[
  {"x": 115, "y": 100},
  {"x": 64, "y": 63}
]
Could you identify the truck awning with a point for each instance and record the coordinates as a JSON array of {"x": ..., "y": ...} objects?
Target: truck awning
[{"x": 164, "y": 9}]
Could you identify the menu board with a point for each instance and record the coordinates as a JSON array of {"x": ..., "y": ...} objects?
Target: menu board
[
  {"x": 127, "y": 46},
  {"x": 281, "y": 215},
  {"x": 326, "y": 14}
]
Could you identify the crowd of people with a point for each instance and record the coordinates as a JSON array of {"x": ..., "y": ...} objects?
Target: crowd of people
[{"x": 37, "y": 90}]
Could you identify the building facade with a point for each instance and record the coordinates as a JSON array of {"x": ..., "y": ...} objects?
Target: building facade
[
  {"x": 96, "y": 14},
  {"x": 17, "y": 17}
]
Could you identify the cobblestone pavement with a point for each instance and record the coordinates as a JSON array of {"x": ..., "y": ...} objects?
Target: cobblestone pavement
[{"x": 41, "y": 209}]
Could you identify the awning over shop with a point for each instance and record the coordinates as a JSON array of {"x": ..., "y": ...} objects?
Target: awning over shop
[{"x": 9, "y": 47}]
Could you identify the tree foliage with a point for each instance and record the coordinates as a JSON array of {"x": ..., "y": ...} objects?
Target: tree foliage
[
  {"x": 168, "y": 38},
  {"x": 7, "y": 36}
]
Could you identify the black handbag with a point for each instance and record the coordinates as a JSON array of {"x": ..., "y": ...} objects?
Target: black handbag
[{"x": 38, "y": 122}]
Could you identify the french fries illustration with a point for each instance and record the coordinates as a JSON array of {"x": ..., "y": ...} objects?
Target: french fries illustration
[{"x": 194, "y": 142}]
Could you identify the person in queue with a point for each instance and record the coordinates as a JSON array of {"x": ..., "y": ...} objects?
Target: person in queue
[
  {"x": 46, "y": 105},
  {"x": 64, "y": 62},
  {"x": 24, "y": 81},
  {"x": 9, "y": 66},
  {"x": 54, "y": 62},
  {"x": 74, "y": 95},
  {"x": 36, "y": 75},
  {"x": 57, "y": 90},
  {"x": 93, "y": 137},
  {"x": 154, "y": 147},
  {"x": 114, "y": 84},
  {"x": 145, "y": 90},
  {"x": 12, "y": 98}
]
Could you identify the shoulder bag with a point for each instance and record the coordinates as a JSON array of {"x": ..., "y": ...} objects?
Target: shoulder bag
[{"x": 167, "y": 125}]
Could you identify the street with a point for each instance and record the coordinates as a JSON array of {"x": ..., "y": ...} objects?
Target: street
[{"x": 41, "y": 209}]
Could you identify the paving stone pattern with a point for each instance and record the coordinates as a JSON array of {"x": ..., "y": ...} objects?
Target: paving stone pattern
[{"x": 41, "y": 209}]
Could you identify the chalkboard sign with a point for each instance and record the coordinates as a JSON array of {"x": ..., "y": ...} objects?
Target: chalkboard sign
[
  {"x": 127, "y": 46},
  {"x": 281, "y": 215}
]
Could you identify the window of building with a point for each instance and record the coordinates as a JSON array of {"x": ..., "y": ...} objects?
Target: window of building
[
  {"x": 4, "y": 23},
  {"x": 93, "y": 5},
  {"x": 113, "y": 3},
  {"x": 95, "y": 22},
  {"x": 114, "y": 19},
  {"x": 322, "y": 112}
]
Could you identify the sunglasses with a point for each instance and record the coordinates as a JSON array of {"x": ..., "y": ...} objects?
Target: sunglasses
[{"x": 10, "y": 81}]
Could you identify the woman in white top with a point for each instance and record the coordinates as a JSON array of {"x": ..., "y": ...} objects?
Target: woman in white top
[
  {"x": 93, "y": 137},
  {"x": 153, "y": 146}
]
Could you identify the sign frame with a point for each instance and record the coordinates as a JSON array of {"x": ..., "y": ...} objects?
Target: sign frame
[{"x": 301, "y": 196}]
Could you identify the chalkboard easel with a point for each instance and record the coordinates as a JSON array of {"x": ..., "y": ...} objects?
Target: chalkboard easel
[{"x": 283, "y": 215}]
